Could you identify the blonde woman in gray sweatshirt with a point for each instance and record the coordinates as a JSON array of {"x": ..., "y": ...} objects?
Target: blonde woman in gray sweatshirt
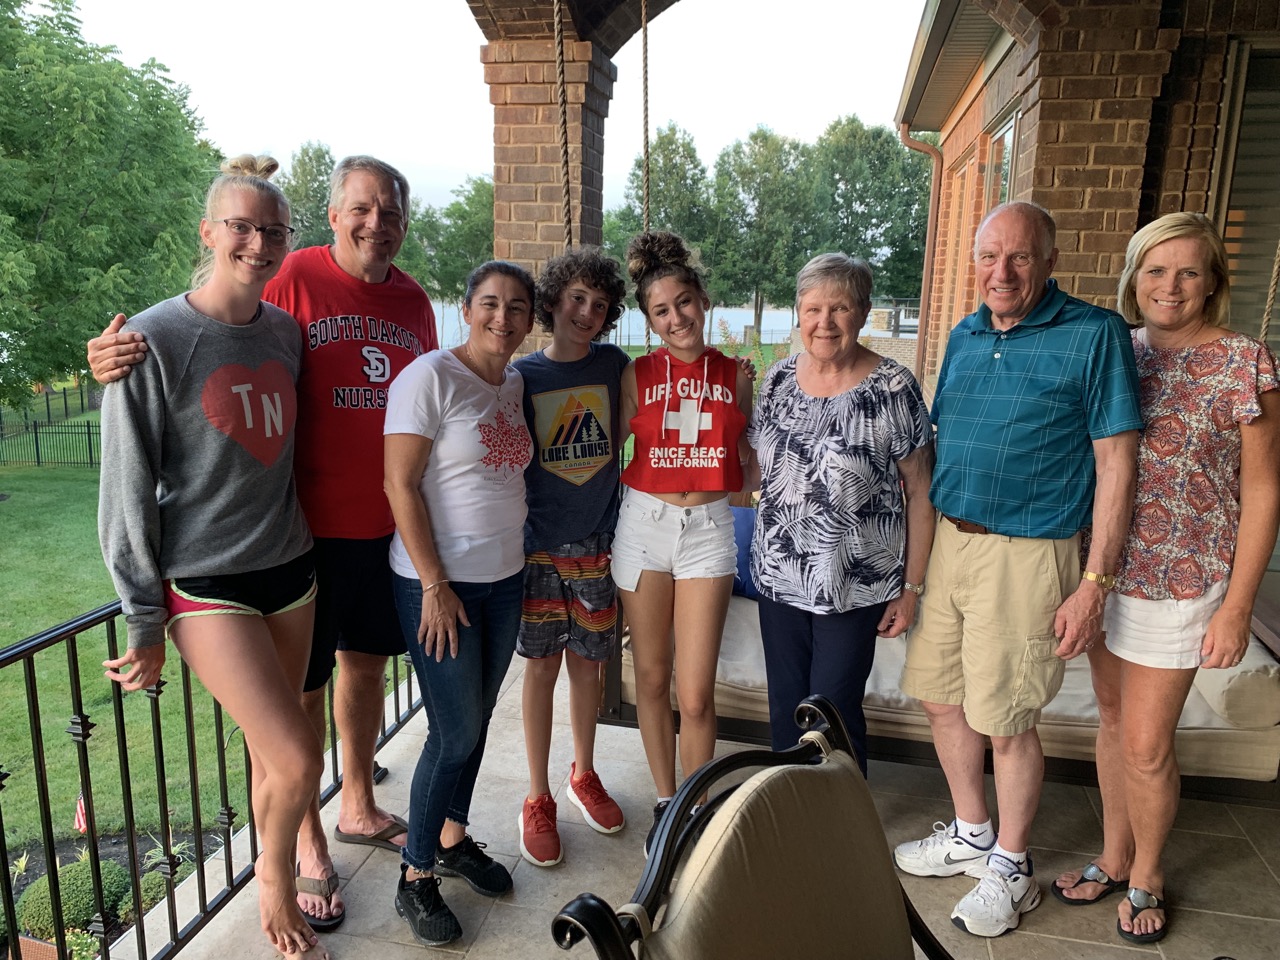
[{"x": 198, "y": 520}]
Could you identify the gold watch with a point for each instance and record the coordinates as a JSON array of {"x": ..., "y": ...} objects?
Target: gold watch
[
  {"x": 1105, "y": 580},
  {"x": 916, "y": 588}
]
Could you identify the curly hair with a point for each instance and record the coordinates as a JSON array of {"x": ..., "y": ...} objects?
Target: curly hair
[
  {"x": 656, "y": 256},
  {"x": 590, "y": 266}
]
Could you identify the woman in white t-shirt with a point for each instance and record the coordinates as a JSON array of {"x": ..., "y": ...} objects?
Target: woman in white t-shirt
[{"x": 456, "y": 450}]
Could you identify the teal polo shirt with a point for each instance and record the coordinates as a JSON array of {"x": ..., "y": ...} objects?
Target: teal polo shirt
[{"x": 1018, "y": 410}]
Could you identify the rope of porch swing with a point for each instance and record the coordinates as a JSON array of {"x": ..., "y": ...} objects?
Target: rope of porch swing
[{"x": 1271, "y": 297}]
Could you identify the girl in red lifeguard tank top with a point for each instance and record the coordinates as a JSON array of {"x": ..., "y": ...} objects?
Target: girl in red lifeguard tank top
[{"x": 687, "y": 406}]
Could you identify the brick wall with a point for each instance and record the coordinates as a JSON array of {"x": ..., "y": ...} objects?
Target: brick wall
[
  {"x": 1086, "y": 76},
  {"x": 527, "y": 185}
]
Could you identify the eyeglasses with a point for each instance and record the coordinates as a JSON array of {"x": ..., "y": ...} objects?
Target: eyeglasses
[
  {"x": 1017, "y": 259},
  {"x": 277, "y": 235}
]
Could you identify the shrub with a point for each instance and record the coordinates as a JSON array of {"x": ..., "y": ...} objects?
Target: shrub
[
  {"x": 82, "y": 945},
  {"x": 35, "y": 912},
  {"x": 153, "y": 889}
]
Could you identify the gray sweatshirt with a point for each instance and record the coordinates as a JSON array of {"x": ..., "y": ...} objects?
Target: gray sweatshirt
[{"x": 197, "y": 457}]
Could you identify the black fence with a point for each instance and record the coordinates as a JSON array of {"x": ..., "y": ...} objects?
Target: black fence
[
  {"x": 50, "y": 407},
  {"x": 134, "y": 794},
  {"x": 76, "y": 444}
]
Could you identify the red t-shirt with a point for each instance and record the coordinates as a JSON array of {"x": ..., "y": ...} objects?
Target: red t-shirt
[
  {"x": 356, "y": 338},
  {"x": 687, "y": 424}
]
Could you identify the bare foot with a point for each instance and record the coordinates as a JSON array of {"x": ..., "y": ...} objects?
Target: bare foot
[
  {"x": 282, "y": 921},
  {"x": 1147, "y": 922},
  {"x": 318, "y": 865},
  {"x": 1072, "y": 888},
  {"x": 370, "y": 823}
]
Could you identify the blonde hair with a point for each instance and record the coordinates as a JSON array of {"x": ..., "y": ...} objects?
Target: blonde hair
[
  {"x": 1176, "y": 226},
  {"x": 245, "y": 172}
]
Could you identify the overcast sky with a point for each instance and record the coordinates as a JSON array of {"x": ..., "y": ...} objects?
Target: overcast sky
[{"x": 401, "y": 79}]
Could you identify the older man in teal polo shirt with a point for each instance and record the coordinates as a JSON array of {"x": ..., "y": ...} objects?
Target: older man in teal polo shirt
[{"x": 1037, "y": 416}]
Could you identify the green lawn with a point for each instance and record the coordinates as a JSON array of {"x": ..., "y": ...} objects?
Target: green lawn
[{"x": 51, "y": 570}]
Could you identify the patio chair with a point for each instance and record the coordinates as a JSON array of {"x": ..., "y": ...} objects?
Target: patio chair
[{"x": 792, "y": 862}]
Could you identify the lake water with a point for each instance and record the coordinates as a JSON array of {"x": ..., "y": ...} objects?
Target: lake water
[{"x": 775, "y": 326}]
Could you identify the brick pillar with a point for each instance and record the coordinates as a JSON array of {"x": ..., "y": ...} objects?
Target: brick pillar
[
  {"x": 1090, "y": 81},
  {"x": 528, "y": 218}
]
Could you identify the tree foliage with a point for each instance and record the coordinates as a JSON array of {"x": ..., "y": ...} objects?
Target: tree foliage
[
  {"x": 874, "y": 195},
  {"x": 306, "y": 184},
  {"x": 772, "y": 202},
  {"x": 764, "y": 196},
  {"x": 102, "y": 178},
  {"x": 443, "y": 246}
]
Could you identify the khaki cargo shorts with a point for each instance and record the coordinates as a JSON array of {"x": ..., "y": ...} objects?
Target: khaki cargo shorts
[{"x": 984, "y": 636}]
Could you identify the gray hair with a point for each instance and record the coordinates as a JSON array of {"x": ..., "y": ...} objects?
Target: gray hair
[
  {"x": 384, "y": 171},
  {"x": 849, "y": 275},
  {"x": 1039, "y": 217}
]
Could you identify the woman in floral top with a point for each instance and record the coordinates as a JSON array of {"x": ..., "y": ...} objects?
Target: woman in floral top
[
  {"x": 843, "y": 454},
  {"x": 1204, "y": 526}
]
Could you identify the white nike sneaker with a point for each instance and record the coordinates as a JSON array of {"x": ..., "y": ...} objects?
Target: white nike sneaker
[
  {"x": 941, "y": 854},
  {"x": 998, "y": 902}
]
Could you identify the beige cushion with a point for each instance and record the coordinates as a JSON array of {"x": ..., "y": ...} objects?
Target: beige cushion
[
  {"x": 1230, "y": 726},
  {"x": 1246, "y": 696},
  {"x": 795, "y": 864}
]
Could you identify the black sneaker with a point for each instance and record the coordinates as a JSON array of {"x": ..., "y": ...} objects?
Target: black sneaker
[
  {"x": 429, "y": 917},
  {"x": 653, "y": 831},
  {"x": 468, "y": 860}
]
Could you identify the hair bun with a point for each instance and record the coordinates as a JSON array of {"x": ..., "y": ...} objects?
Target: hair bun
[
  {"x": 648, "y": 252},
  {"x": 247, "y": 165}
]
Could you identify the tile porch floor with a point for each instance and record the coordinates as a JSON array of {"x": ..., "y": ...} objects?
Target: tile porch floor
[{"x": 1223, "y": 861}]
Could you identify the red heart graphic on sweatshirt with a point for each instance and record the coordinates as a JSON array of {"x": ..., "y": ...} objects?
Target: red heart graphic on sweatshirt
[{"x": 255, "y": 408}]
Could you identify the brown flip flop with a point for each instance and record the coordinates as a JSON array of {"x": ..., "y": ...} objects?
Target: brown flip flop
[
  {"x": 323, "y": 888},
  {"x": 381, "y": 839}
]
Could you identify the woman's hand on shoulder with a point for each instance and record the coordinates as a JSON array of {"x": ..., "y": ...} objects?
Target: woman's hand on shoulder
[
  {"x": 747, "y": 368},
  {"x": 438, "y": 627},
  {"x": 144, "y": 665}
]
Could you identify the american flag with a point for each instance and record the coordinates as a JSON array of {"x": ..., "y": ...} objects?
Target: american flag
[{"x": 81, "y": 821}]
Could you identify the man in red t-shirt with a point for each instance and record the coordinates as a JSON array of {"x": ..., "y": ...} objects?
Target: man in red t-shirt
[{"x": 363, "y": 320}]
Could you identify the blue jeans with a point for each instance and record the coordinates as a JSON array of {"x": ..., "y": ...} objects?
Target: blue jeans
[
  {"x": 459, "y": 695},
  {"x": 827, "y": 653}
]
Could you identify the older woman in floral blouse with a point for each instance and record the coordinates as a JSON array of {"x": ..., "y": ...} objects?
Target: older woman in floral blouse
[{"x": 843, "y": 457}]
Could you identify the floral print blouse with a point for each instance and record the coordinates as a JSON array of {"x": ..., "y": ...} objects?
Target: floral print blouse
[{"x": 1183, "y": 536}]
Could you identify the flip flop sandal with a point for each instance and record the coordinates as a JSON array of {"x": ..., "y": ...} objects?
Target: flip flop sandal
[
  {"x": 324, "y": 889},
  {"x": 381, "y": 839},
  {"x": 1140, "y": 900},
  {"x": 1090, "y": 874}
]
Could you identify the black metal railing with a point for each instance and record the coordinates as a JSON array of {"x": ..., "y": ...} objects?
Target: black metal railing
[
  {"x": 51, "y": 406},
  {"x": 98, "y": 771},
  {"x": 77, "y": 444}
]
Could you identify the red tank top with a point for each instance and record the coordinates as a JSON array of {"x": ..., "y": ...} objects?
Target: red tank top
[{"x": 687, "y": 424}]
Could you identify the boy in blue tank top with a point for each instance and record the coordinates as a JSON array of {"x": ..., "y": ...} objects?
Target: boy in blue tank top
[{"x": 571, "y": 403}]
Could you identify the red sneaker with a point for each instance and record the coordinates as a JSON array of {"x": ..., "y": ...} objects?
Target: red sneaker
[
  {"x": 539, "y": 839},
  {"x": 598, "y": 808}
]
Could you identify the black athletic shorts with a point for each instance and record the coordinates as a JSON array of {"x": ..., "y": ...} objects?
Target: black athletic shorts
[
  {"x": 356, "y": 609},
  {"x": 258, "y": 593}
]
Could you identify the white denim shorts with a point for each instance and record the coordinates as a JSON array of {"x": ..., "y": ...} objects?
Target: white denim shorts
[
  {"x": 686, "y": 542},
  {"x": 1166, "y": 634}
]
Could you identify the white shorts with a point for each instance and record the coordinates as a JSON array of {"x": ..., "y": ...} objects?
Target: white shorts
[
  {"x": 1166, "y": 634},
  {"x": 686, "y": 542}
]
